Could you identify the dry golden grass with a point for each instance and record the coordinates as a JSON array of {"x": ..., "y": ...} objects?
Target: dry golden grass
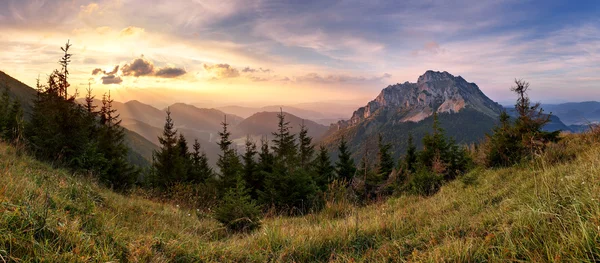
[{"x": 544, "y": 211}]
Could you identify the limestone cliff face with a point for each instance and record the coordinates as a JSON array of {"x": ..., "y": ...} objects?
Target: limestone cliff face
[{"x": 433, "y": 92}]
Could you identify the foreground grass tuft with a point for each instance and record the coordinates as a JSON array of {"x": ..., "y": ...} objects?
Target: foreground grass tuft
[{"x": 544, "y": 211}]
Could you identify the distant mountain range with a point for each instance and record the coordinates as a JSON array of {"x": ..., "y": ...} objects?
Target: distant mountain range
[
  {"x": 399, "y": 110},
  {"x": 575, "y": 113}
]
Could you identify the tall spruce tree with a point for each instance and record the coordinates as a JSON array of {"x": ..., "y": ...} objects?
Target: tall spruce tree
[
  {"x": 229, "y": 163},
  {"x": 185, "y": 157},
  {"x": 284, "y": 144},
  {"x": 306, "y": 148},
  {"x": 410, "y": 159},
  {"x": 345, "y": 168},
  {"x": 57, "y": 130},
  {"x": 167, "y": 164},
  {"x": 266, "y": 160},
  {"x": 4, "y": 109},
  {"x": 111, "y": 143},
  {"x": 435, "y": 145},
  {"x": 323, "y": 169},
  {"x": 288, "y": 188},
  {"x": 385, "y": 161},
  {"x": 251, "y": 174},
  {"x": 201, "y": 170}
]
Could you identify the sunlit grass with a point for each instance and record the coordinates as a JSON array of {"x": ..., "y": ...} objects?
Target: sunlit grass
[{"x": 544, "y": 211}]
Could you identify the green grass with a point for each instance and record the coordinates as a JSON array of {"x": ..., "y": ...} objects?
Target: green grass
[{"x": 544, "y": 211}]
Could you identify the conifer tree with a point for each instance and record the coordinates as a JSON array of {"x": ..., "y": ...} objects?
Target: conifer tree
[
  {"x": 13, "y": 122},
  {"x": 266, "y": 160},
  {"x": 531, "y": 120},
  {"x": 251, "y": 175},
  {"x": 284, "y": 144},
  {"x": 410, "y": 159},
  {"x": 345, "y": 168},
  {"x": 287, "y": 188},
  {"x": 185, "y": 158},
  {"x": 385, "y": 163},
  {"x": 238, "y": 212},
  {"x": 111, "y": 143},
  {"x": 306, "y": 149},
  {"x": 323, "y": 169},
  {"x": 504, "y": 147},
  {"x": 4, "y": 109},
  {"x": 89, "y": 100},
  {"x": 435, "y": 145},
  {"x": 167, "y": 163},
  {"x": 201, "y": 170},
  {"x": 228, "y": 162},
  {"x": 57, "y": 130}
]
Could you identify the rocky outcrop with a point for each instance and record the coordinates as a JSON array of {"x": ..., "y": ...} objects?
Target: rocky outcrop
[{"x": 433, "y": 92}]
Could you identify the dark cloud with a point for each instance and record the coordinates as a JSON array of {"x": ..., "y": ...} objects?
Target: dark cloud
[
  {"x": 139, "y": 67},
  {"x": 222, "y": 71},
  {"x": 97, "y": 71},
  {"x": 169, "y": 72},
  {"x": 248, "y": 70},
  {"x": 111, "y": 79}
]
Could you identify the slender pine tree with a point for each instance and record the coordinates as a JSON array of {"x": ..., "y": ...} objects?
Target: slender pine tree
[
  {"x": 201, "y": 170},
  {"x": 345, "y": 168},
  {"x": 229, "y": 163},
  {"x": 251, "y": 174},
  {"x": 166, "y": 163},
  {"x": 324, "y": 170},
  {"x": 306, "y": 148},
  {"x": 385, "y": 163}
]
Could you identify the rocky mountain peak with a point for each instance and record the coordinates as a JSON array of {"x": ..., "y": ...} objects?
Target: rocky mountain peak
[
  {"x": 434, "y": 91},
  {"x": 431, "y": 76}
]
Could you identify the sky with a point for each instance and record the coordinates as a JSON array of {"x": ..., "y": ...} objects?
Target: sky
[{"x": 259, "y": 52}]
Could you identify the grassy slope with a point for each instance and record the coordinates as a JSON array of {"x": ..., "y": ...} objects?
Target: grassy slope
[{"x": 537, "y": 212}]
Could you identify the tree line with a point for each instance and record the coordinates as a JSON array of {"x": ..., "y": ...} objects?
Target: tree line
[{"x": 68, "y": 134}]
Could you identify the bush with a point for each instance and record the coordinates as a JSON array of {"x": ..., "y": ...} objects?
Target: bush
[
  {"x": 424, "y": 182},
  {"x": 238, "y": 212}
]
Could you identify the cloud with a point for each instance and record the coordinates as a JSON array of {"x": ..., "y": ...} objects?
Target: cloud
[
  {"x": 253, "y": 70},
  {"x": 339, "y": 78},
  {"x": 222, "y": 71},
  {"x": 139, "y": 67},
  {"x": 111, "y": 79},
  {"x": 430, "y": 47},
  {"x": 97, "y": 71},
  {"x": 131, "y": 30},
  {"x": 169, "y": 72},
  {"x": 89, "y": 9}
]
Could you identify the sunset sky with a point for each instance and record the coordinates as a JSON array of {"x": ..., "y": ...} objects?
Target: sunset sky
[{"x": 259, "y": 52}]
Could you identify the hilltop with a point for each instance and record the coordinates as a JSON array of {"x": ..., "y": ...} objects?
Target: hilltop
[{"x": 544, "y": 211}]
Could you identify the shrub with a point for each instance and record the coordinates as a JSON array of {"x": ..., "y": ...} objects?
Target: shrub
[
  {"x": 424, "y": 182},
  {"x": 238, "y": 212}
]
